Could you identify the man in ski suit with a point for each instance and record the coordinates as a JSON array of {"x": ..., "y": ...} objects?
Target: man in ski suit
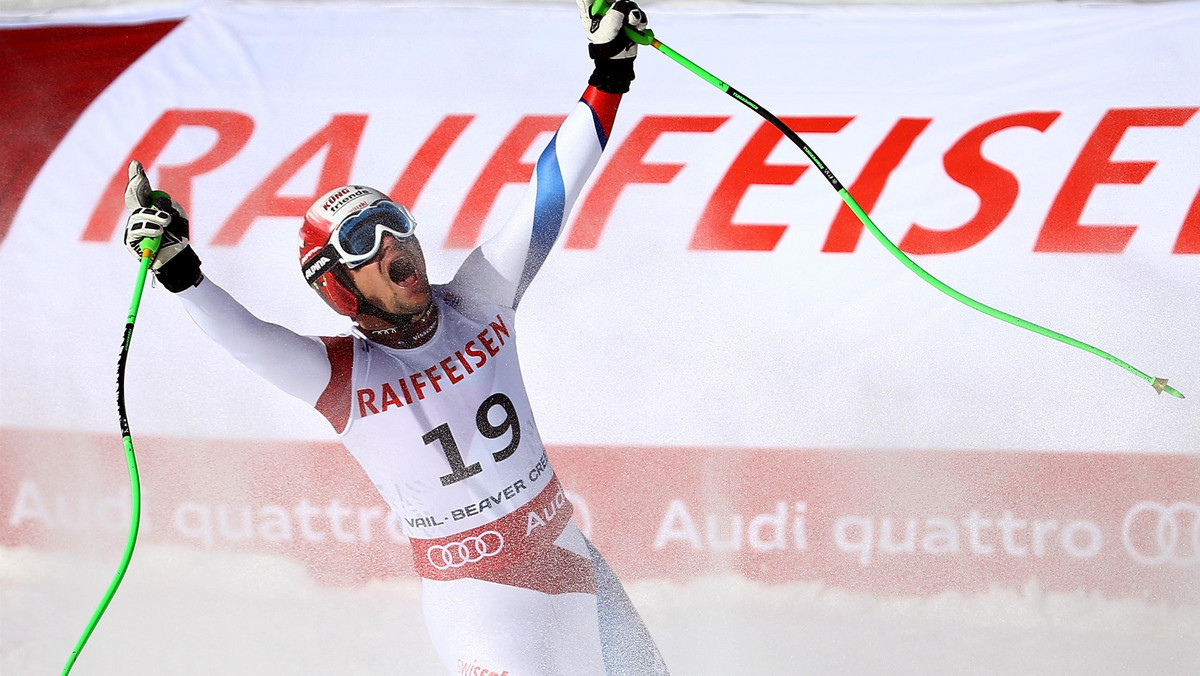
[{"x": 427, "y": 395}]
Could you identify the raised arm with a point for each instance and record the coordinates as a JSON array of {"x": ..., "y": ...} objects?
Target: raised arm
[
  {"x": 298, "y": 365},
  {"x": 517, "y": 251}
]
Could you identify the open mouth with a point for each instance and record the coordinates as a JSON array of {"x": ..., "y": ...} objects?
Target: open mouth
[{"x": 403, "y": 272}]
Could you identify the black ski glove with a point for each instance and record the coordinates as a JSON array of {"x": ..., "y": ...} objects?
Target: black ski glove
[{"x": 609, "y": 46}]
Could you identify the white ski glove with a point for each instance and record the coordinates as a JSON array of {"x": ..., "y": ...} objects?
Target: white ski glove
[
  {"x": 156, "y": 214},
  {"x": 606, "y": 33},
  {"x": 147, "y": 223}
]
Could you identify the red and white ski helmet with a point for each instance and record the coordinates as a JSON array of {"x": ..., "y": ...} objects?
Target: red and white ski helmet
[{"x": 317, "y": 262}]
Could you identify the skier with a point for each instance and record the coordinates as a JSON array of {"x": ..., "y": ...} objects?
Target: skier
[{"x": 427, "y": 395}]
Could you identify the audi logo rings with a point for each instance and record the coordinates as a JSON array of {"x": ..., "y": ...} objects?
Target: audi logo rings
[
  {"x": 469, "y": 550},
  {"x": 1155, "y": 534}
]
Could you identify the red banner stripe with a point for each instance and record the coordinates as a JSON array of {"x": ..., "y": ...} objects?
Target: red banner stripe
[{"x": 53, "y": 74}]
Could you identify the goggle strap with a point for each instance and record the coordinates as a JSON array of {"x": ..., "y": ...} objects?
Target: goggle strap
[{"x": 324, "y": 261}]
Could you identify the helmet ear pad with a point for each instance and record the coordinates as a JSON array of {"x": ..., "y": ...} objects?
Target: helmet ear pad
[
  {"x": 326, "y": 276},
  {"x": 337, "y": 290}
]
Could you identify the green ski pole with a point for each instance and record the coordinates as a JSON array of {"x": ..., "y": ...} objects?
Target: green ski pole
[
  {"x": 647, "y": 38},
  {"x": 149, "y": 249}
]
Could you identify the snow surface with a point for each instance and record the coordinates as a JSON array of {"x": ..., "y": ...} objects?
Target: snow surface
[{"x": 181, "y": 611}]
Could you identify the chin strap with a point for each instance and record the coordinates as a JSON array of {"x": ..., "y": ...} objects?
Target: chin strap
[{"x": 393, "y": 330}]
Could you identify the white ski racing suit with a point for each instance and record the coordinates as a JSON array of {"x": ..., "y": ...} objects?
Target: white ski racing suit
[{"x": 445, "y": 432}]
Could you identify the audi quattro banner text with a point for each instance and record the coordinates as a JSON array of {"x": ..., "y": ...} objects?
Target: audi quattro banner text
[{"x": 1119, "y": 525}]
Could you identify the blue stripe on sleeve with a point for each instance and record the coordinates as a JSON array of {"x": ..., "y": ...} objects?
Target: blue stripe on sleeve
[
  {"x": 547, "y": 215},
  {"x": 600, "y": 133}
]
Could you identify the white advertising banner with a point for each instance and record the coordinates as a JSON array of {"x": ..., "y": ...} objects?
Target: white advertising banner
[
  {"x": 711, "y": 288},
  {"x": 786, "y": 443}
]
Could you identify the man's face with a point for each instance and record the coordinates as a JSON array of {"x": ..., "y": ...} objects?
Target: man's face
[{"x": 395, "y": 280}]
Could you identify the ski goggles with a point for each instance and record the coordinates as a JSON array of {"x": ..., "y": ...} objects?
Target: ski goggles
[{"x": 357, "y": 238}]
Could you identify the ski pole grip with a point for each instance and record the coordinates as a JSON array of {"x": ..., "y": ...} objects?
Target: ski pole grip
[
  {"x": 160, "y": 200},
  {"x": 150, "y": 246},
  {"x": 600, "y": 8}
]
